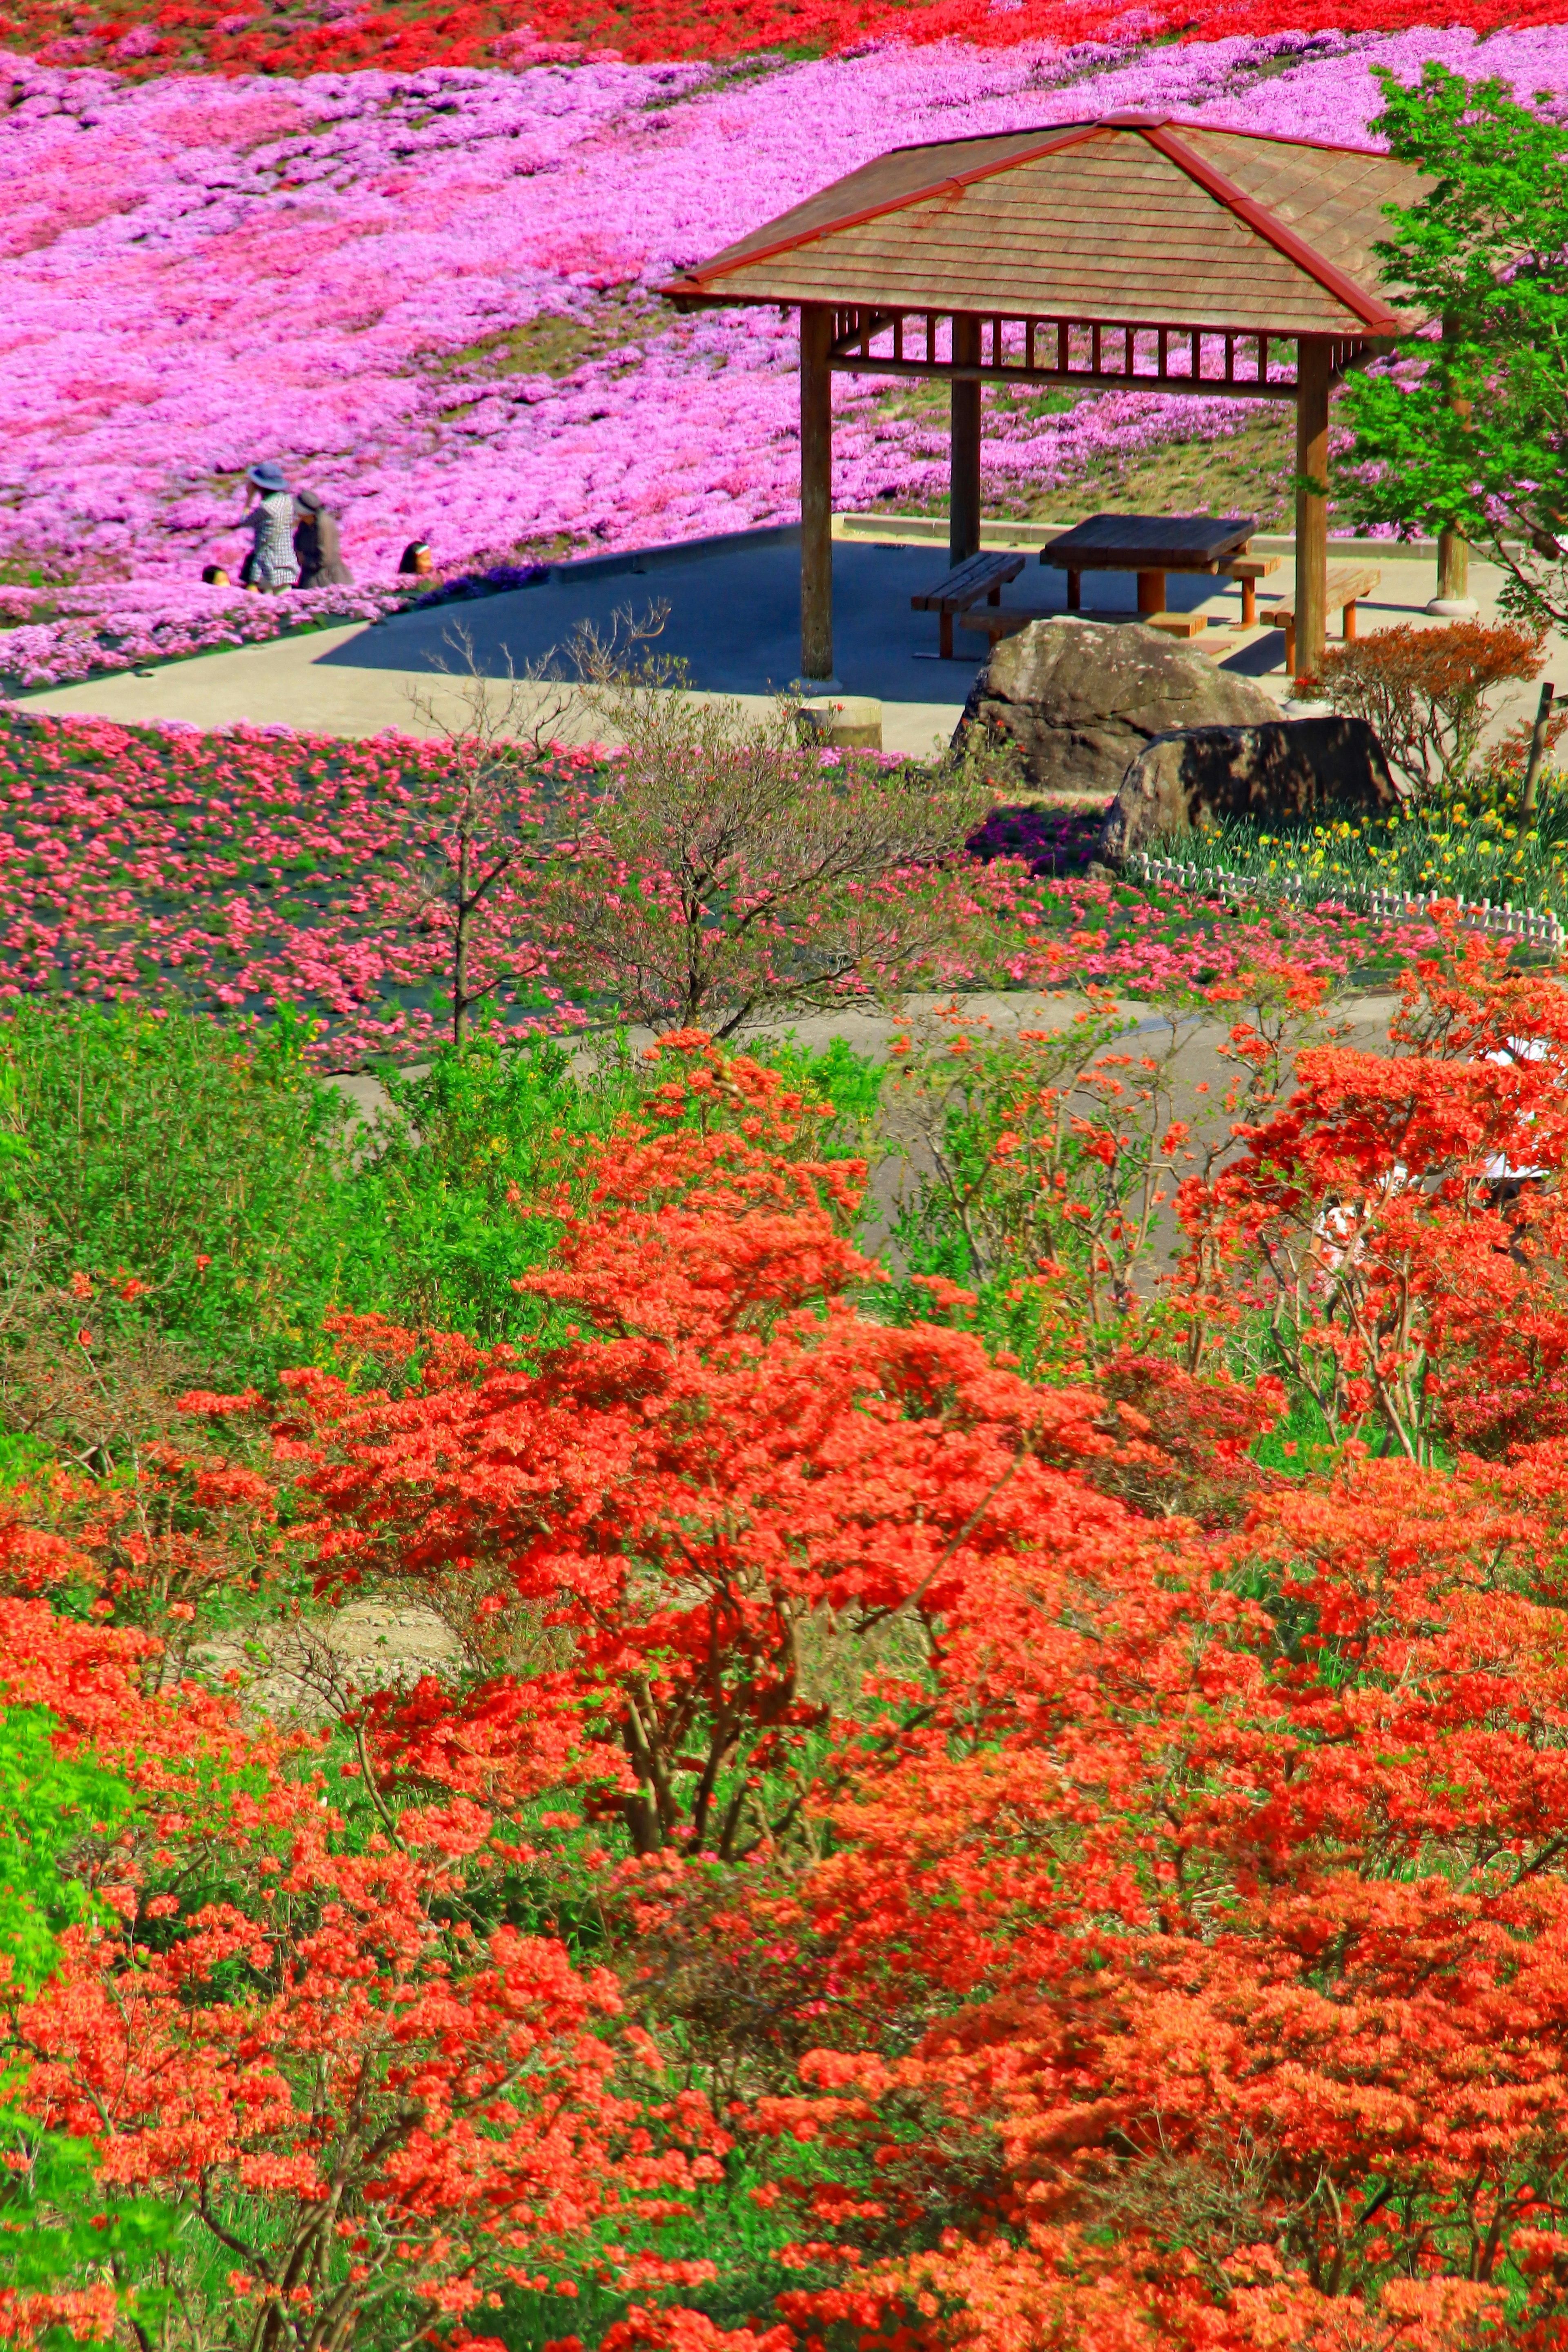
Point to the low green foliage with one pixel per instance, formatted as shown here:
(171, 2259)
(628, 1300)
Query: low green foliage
(58, 2223)
(196, 1161)
(51, 1803)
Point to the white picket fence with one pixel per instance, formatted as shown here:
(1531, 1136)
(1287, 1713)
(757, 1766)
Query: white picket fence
(1501, 921)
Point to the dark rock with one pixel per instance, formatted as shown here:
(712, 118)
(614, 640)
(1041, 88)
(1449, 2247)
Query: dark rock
(1081, 699)
(1277, 774)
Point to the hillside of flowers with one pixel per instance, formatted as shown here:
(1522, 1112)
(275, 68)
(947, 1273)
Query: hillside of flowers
(296, 37)
(715, 1696)
(429, 292)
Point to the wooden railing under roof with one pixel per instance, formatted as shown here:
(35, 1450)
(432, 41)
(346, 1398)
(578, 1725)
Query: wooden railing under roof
(1043, 351)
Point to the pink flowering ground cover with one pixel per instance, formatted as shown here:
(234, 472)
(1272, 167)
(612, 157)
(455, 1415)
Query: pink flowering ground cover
(344, 272)
(257, 875)
(73, 631)
(243, 874)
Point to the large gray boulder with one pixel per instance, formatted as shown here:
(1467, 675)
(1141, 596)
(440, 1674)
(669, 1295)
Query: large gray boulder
(1274, 774)
(1081, 698)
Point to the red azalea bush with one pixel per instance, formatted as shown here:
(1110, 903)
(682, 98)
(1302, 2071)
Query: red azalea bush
(1078, 1923)
(1230, 1889)
(365, 2107)
(729, 1456)
(1397, 1220)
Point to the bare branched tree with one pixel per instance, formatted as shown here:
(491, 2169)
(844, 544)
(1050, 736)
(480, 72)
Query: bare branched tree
(714, 869)
(725, 871)
(494, 816)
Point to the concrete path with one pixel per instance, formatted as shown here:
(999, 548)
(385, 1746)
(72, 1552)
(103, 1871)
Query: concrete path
(1200, 1075)
(733, 617)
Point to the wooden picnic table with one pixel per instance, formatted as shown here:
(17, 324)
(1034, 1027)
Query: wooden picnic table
(1152, 545)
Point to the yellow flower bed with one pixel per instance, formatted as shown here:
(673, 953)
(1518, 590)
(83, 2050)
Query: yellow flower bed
(1469, 850)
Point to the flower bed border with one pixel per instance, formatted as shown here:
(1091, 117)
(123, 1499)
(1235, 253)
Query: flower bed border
(1504, 920)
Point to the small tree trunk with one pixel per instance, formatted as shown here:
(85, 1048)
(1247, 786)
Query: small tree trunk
(1453, 564)
(460, 949)
(1453, 601)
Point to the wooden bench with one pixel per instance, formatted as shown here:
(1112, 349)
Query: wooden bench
(1010, 618)
(1249, 569)
(981, 576)
(1347, 585)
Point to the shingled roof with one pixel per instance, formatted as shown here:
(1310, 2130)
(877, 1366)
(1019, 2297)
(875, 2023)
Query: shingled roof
(1134, 220)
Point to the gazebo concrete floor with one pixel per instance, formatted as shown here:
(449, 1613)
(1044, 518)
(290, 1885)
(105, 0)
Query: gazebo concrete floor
(734, 618)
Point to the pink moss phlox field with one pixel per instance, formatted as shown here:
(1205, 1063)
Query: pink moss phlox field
(243, 872)
(116, 624)
(1095, 931)
(196, 273)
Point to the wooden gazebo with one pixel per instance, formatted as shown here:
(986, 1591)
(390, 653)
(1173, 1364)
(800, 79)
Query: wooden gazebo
(1136, 252)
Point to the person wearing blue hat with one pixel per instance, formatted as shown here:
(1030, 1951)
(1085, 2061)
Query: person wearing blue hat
(271, 563)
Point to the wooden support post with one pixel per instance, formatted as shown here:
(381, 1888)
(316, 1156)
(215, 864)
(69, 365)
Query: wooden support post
(1151, 592)
(963, 486)
(1537, 754)
(1453, 564)
(815, 492)
(1453, 601)
(1313, 373)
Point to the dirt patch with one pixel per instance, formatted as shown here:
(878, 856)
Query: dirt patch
(1248, 471)
(308, 1669)
(558, 343)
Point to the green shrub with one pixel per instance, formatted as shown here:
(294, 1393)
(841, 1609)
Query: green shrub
(219, 1170)
(201, 1162)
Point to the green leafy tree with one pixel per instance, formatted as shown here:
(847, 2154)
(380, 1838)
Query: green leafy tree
(1469, 430)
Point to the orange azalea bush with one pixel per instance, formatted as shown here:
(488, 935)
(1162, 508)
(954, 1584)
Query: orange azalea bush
(1079, 1920)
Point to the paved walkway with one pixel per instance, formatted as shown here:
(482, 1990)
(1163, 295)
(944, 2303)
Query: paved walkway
(1200, 1077)
(733, 617)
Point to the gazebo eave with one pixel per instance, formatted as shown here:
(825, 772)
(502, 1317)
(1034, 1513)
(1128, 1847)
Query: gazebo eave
(1050, 343)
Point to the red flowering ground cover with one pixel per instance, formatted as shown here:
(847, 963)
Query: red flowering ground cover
(239, 873)
(294, 37)
(249, 872)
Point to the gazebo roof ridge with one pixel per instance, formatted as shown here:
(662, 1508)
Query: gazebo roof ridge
(1133, 118)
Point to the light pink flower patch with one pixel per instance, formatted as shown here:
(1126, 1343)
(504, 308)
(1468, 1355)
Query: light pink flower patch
(199, 272)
